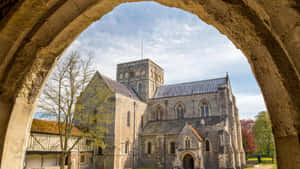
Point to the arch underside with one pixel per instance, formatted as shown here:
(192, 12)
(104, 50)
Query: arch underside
(34, 33)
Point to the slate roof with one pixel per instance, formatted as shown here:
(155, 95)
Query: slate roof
(167, 127)
(50, 127)
(119, 88)
(190, 88)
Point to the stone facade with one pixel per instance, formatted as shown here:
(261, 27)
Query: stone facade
(127, 111)
(188, 125)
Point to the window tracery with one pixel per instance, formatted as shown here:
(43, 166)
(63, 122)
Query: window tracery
(204, 109)
(187, 142)
(179, 109)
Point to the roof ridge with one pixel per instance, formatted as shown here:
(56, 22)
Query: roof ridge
(192, 82)
(132, 93)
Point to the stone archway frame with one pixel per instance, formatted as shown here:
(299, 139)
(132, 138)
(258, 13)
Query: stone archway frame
(34, 33)
(196, 160)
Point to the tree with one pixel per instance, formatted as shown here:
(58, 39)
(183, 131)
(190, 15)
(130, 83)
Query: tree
(262, 131)
(248, 137)
(60, 97)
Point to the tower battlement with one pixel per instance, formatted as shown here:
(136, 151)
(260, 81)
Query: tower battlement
(144, 76)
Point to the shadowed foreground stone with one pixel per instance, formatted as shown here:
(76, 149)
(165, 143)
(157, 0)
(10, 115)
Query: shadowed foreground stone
(34, 33)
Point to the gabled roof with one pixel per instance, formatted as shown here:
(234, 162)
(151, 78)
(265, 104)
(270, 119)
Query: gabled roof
(50, 127)
(190, 88)
(118, 87)
(195, 132)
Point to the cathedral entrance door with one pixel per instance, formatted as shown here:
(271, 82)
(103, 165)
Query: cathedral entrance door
(188, 162)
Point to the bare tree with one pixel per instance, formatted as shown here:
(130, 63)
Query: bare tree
(60, 96)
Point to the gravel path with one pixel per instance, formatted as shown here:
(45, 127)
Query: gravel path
(265, 167)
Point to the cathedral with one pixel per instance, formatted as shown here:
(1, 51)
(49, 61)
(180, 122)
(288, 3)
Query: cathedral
(193, 125)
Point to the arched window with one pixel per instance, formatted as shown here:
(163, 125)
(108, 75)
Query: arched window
(187, 142)
(180, 111)
(126, 147)
(204, 109)
(172, 147)
(128, 118)
(149, 148)
(140, 87)
(159, 113)
(207, 148)
(100, 150)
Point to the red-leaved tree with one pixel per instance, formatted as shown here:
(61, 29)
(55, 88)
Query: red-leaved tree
(248, 137)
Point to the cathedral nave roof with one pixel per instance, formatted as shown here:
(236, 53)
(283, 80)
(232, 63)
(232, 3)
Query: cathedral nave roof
(190, 88)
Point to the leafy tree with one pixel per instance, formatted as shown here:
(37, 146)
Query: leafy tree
(248, 137)
(60, 97)
(262, 131)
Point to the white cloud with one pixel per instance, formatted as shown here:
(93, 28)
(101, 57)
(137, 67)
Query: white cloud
(187, 48)
(249, 105)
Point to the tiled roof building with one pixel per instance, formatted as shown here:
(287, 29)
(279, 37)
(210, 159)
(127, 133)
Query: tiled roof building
(43, 149)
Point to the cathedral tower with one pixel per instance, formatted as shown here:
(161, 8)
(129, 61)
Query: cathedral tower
(143, 76)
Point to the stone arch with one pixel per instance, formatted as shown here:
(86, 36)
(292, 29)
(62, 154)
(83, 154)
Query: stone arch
(33, 34)
(187, 153)
(188, 162)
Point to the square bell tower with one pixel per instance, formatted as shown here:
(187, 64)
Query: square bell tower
(143, 76)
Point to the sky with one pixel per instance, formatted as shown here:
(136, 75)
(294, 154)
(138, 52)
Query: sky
(187, 48)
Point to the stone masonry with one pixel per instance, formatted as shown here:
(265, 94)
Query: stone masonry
(188, 125)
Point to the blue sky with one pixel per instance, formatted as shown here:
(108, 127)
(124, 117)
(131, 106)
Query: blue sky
(187, 48)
